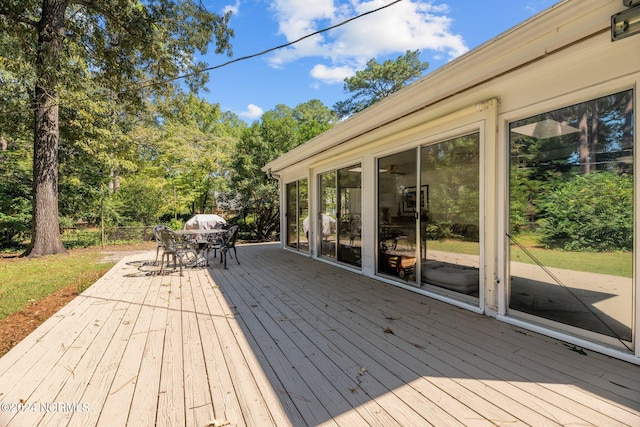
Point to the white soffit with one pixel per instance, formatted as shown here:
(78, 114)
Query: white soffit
(551, 30)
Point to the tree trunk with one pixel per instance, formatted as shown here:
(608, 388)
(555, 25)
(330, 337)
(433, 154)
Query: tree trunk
(595, 135)
(585, 163)
(46, 239)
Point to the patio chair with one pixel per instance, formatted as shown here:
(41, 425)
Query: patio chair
(224, 243)
(174, 247)
(156, 238)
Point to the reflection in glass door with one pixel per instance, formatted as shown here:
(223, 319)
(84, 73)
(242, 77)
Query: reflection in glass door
(327, 223)
(397, 210)
(297, 215)
(349, 214)
(340, 212)
(571, 236)
(449, 206)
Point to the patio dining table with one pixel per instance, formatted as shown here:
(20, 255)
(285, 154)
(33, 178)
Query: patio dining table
(199, 238)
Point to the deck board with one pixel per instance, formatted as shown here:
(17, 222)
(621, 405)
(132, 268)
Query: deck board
(284, 340)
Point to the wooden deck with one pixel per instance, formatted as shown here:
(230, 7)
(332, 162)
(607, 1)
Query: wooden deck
(282, 340)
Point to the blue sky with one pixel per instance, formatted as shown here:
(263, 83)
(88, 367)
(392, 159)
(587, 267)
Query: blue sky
(316, 67)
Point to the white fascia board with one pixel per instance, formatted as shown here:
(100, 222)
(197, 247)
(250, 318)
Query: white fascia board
(546, 33)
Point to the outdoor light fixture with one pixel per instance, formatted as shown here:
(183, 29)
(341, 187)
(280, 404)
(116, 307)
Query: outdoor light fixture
(626, 23)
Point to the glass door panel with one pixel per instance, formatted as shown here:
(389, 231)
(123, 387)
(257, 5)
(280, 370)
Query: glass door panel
(397, 198)
(350, 209)
(449, 206)
(292, 217)
(571, 217)
(327, 224)
(297, 221)
(303, 212)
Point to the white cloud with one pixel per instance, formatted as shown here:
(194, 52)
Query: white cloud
(233, 8)
(331, 75)
(408, 25)
(252, 112)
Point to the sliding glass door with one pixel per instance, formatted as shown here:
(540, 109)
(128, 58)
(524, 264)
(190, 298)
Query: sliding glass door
(297, 215)
(432, 216)
(571, 218)
(397, 213)
(327, 223)
(339, 225)
(449, 207)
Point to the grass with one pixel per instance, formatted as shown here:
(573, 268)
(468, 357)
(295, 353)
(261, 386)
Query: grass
(24, 280)
(613, 263)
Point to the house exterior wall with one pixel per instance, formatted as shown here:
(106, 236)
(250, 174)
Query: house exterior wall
(560, 57)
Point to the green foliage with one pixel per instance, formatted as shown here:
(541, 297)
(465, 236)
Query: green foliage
(378, 81)
(81, 238)
(144, 200)
(15, 192)
(280, 130)
(592, 212)
(115, 55)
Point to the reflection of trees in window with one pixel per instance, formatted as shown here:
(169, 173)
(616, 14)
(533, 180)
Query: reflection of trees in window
(550, 150)
(303, 197)
(329, 198)
(296, 213)
(451, 173)
(601, 132)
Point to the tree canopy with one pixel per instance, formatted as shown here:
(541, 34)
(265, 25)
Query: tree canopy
(121, 51)
(100, 118)
(278, 131)
(377, 81)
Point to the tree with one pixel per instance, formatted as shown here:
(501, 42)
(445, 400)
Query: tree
(119, 44)
(192, 152)
(378, 81)
(279, 131)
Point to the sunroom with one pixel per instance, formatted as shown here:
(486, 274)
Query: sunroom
(503, 183)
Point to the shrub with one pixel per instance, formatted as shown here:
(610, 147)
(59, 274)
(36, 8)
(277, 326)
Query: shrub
(592, 212)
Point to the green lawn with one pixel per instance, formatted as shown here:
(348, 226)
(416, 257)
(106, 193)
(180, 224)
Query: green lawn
(23, 280)
(614, 263)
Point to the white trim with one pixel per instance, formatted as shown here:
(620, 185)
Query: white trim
(567, 99)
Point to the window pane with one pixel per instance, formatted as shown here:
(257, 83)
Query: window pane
(303, 212)
(327, 227)
(350, 234)
(397, 214)
(292, 219)
(297, 215)
(571, 215)
(449, 215)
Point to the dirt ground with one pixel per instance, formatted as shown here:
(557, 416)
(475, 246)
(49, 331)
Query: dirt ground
(17, 326)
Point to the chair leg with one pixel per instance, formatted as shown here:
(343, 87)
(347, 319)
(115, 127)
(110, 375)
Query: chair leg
(155, 262)
(162, 268)
(235, 253)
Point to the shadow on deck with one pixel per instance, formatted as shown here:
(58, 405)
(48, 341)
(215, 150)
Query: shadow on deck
(282, 339)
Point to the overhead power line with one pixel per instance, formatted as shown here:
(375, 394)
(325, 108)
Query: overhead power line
(151, 83)
(264, 52)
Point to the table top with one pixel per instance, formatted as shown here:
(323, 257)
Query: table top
(201, 231)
